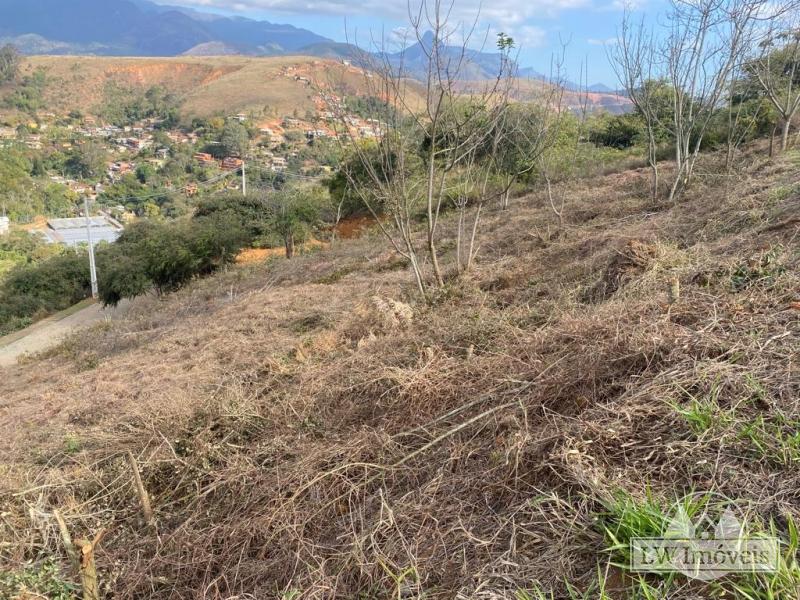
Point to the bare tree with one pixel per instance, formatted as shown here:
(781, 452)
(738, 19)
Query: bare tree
(777, 71)
(742, 116)
(694, 63)
(434, 132)
(634, 60)
(707, 39)
(526, 131)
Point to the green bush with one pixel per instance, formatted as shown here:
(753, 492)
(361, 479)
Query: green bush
(148, 255)
(250, 212)
(36, 290)
(620, 131)
(121, 275)
(355, 181)
(124, 106)
(216, 240)
(28, 94)
(166, 256)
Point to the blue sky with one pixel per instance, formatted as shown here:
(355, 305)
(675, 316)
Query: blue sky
(538, 26)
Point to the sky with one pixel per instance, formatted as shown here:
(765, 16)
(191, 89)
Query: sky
(540, 28)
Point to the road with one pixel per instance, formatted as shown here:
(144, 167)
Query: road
(50, 331)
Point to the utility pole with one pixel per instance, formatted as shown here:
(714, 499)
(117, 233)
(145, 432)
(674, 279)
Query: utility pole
(244, 180)
(92, 266)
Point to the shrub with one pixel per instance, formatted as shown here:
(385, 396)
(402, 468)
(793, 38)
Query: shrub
(40, 289)
(36, 581)
(121, 275)
(621, 131)
(165, 256)
(250, 212)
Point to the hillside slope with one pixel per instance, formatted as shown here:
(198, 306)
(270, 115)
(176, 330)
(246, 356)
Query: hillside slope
(302, 435)
(228, 84)
(206, 85)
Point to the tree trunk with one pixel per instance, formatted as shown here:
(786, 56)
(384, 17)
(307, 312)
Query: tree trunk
(289, 243)
(772, 140)
(437, 272)
(654, 185)
(652, 156)
(415, 267)
(472, 251)
(787, 124)
(433, 215)
(459, 237)
(88, 571)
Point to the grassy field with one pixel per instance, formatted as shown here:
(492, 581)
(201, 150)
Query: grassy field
(308, 429)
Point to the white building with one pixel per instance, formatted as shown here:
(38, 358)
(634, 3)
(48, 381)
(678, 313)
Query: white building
(72, 232)
(4, 225)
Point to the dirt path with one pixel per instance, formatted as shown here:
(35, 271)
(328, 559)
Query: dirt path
(51, 331)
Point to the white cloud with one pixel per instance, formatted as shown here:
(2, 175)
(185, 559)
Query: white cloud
(504, 14)
(606, 42)
(625, 5)
(527, 36)
(532, 36)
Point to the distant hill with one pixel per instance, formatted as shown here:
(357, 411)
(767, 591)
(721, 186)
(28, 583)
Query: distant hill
(336, 50)
(573, 99)
(266, 87)
(211, 49)
(144, 28)
(138, 28)
(475, 65)
(600, 88)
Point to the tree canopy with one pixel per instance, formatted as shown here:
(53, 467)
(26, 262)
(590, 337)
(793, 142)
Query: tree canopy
(234, 139)
(9, 63)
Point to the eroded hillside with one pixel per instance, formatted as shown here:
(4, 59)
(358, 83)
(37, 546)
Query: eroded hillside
(212, 85)
(205, 85)
(308, 429)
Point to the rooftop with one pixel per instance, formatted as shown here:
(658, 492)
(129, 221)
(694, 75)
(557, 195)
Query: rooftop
(79, 222)
(72, 232)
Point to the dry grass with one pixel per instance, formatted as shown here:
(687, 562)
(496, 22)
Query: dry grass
(206, 85)
(301, 438)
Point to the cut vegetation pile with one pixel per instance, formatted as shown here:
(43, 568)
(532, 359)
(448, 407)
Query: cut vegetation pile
(307, 429)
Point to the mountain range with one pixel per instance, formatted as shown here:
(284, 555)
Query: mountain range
(139, 28)
(144, 28)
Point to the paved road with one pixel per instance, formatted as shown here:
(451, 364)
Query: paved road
(51, 331)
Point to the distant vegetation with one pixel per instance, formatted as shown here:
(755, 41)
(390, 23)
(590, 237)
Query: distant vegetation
(148, 256)
(20, 248)
(9, 63)
(125, 106)
(165, 256)
(25, 193)
(28, 94)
